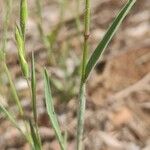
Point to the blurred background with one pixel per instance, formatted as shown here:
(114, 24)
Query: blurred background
(118, 96)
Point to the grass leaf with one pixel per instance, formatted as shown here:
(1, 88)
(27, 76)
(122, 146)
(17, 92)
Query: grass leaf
(107, 37)
(51, 112)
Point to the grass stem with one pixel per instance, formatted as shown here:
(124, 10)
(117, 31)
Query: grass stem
(82, 92)
(86, 37)
(82, 105)
(13, 89)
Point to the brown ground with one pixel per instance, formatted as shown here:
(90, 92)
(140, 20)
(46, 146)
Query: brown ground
(118, 96)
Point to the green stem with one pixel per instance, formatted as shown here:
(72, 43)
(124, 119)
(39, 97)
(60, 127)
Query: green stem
(82, 92)
(34, 113)
(29, 87)
(27, 134)
(86, 37)
(82, 104)
(17, 101)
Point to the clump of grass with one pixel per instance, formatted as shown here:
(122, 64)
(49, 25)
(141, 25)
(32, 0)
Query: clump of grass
(87, 65)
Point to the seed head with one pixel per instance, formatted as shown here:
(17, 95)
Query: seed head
(23, 16)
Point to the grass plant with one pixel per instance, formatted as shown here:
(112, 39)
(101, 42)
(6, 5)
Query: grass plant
(8, 6)
(88, 66)
(20, 41)
(88, 63)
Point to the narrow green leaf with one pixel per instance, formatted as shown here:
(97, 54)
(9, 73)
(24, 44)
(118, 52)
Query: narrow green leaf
(51, 112)
(35, 139)
(33, 88)
(107, 37)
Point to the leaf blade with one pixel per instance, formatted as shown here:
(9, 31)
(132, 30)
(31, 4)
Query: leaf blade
(51, 111)
(107, 37)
